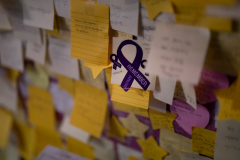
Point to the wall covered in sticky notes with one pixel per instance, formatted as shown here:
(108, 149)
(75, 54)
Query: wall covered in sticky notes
(119, 79)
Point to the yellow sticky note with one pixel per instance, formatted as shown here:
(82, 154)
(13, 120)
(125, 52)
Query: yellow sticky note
(79, 148)
(135, 127)
(135, 97)
(26, 140)
(133, 158)
(5, 127)
(40, 107)
(203, 141)
(151, 150)
(130, 109)
(13, 75)
(96, 69)
(89, 109)
(154, 7)
(161, 120)
(117, 130)
(89, 32)
(67, 84)
(46, 136)
(55, 31)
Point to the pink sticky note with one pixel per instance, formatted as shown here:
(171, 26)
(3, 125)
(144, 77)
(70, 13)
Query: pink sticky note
(188, 117)
(210, 81)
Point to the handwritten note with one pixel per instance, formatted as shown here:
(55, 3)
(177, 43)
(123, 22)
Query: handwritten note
(87, 114)
(162, 120)
(124, 152)
(177, 57)
(7, 121)
(124, 16)
(63, 8)
(40, 107)
(227, 144)
(192, 156)
(156, 104)
(11, 52)
(135, 97)
(61, 62)
(203, 141)
(39, 13)
(89, 32)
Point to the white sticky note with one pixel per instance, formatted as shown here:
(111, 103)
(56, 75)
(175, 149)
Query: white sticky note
(156, 104)
(73, 131)
(104, 1)
(124, 17)
(103, 148)
(37, 51)
(192, 156)
(53, 153)
(4, 20)
(11, 52)
(227, 144)
(164, 90)
(8, 95)
(38, 13)
(129, 52)
(124, 152)
(63, 8)
(178, 52)
(148, 26)
(61, 62)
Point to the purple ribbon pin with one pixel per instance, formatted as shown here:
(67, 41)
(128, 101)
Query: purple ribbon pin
(132, 68)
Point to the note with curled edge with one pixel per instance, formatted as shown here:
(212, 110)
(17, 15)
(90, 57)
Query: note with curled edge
(227, 144)
(40, 107)
(154, 7)
(135, 97)
(203, 141)
(124, 16)
(38, 13)
(89, 33)
(162, 120)
(63, 8)
(89, 109)
(5, 126)
(192, 156)
(187, 45)
(96, 69)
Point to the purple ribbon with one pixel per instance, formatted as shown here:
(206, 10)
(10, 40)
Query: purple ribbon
(132, 68)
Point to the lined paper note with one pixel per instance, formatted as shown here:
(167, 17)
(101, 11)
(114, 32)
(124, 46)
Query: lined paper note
(90, 109)
(40, 107)
(203, 141)
(6, 119)
(89, 32)
(135, 97)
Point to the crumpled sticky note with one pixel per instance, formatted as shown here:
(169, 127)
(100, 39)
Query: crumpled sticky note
(136, 128)
(151, 150)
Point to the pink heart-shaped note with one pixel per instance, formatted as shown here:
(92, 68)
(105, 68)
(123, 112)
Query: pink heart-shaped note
(188, 117)
(210, 81)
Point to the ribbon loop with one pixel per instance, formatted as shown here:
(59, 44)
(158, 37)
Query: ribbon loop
(115, 61)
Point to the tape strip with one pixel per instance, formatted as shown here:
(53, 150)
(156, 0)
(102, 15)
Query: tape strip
(89, 7)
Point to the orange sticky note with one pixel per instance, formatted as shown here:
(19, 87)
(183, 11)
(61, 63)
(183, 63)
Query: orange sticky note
(5, 127)
(79, 148)
(89, 32)
(40, 107)
(67, 84)
(89, 109)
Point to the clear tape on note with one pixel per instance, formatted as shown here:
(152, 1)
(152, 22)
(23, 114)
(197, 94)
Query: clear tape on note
(89, 9)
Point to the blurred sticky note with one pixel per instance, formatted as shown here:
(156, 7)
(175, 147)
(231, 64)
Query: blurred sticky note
(63, 8)
(79, 148)
(39, 13)
(11, 52)
(55, 31)
(130, 109)
(188, 41)
(61, 62)
(124, 16)
(5, 126)
(124, 152)
(4, 20)
(154, 7)
(89, 109)
(67, 84)
(117, 130)
(151, 149)
(89, 32)
(156, 104)
(40, 107)
(13, 75)
(135, 127)
(162, 120)
(27, 143)
(46, 136)
(203, 141)
(73, 131)
(193, 156)
(135, 97)
(37, 51)
(96, 69)
(120, 34)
